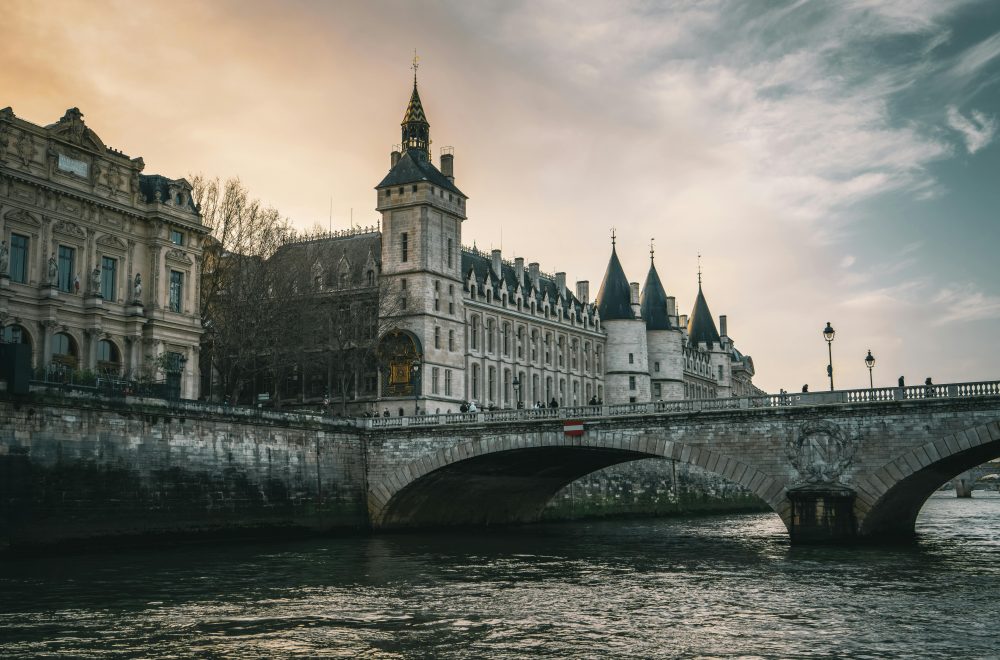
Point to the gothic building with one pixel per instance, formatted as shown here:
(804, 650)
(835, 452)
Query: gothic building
(470, 326)
(99, 262)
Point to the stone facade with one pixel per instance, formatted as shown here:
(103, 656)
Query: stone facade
(101, 268)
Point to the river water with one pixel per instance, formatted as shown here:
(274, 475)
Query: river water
(713, 587)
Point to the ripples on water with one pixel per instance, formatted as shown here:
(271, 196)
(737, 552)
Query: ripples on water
(720, 586)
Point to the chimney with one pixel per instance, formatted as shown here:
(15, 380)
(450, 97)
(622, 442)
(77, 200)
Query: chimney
(684, 321)
(722, 325)
(634, 287)
(393, 158)
(561, 284)
(497, 262)
(671, 306)
(448, 163)
(583, 291)
(519, 270)
(533, 271)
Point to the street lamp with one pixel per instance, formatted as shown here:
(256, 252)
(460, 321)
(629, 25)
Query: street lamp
(828, 333)
(517, 392)
(870, 362)
(415, 379)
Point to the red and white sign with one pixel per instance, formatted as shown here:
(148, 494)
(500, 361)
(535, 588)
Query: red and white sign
(573, 428)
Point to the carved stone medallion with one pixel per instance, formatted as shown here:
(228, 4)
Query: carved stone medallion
(821, 452)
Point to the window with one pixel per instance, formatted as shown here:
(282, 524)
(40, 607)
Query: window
(560, 352)
(19, 258)
(474, 333)
(491, 383)
(67, 256)
(451, 258)
(414, 188)
(657, 391)
(451, 308)
(109, 271)
(176, 237)
(371, 278)
(14, 334)
(506, 386)
(63, 349)
(402, 298)
(434, 380)
(404, 243)
(475, 382)
(520, 341)
(437, 337)
(656, 366)
(176, 290)
(720, 372)
(631, 358)
(447, 382)
(108, 358)
(631, 382)
(489, 335)
(506, 339)
(451, 340)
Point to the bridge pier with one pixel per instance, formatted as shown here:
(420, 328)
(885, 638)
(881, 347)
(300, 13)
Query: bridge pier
(822, 513)
(963, 484)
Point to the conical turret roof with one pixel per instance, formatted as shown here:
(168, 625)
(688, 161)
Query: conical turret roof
(614, 300)
(701, 325)
(415, 109)
(653, 302)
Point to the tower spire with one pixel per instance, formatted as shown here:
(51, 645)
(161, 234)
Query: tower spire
(699, 270)
(416, 129)
(651, 250)
(612, 238)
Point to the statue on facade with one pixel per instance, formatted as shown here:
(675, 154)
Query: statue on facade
(53, 270)
(137, 288)
(95, 280)
(4, 258)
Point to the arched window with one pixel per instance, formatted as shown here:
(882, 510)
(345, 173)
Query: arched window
(108, 358)
(64, 350)
(15, 334)
(437, 337)
(371, 278)
(474, 334)
(475, 382)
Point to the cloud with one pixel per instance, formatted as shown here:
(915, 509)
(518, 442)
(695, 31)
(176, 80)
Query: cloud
(977, 130)
(964, 303)
(975, 58)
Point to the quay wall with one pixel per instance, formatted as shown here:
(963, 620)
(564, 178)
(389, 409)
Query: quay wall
(78, 469)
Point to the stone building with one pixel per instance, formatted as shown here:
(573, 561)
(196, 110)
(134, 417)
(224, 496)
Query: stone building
(467, 326)
(99, 265)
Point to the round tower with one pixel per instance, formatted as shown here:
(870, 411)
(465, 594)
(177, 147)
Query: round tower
(663, 339)
(626, 359)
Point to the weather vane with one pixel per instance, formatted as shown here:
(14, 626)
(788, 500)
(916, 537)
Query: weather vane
(415, 65)
(699, 269)
(612, 237)
(651, 249)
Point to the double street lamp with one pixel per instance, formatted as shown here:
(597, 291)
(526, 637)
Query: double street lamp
(828, 333)
(870, 363)
(517, 392)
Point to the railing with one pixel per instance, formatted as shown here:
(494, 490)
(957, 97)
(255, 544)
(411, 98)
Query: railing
(788, 399)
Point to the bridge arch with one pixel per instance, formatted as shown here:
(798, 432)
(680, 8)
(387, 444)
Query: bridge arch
(890, 497)
(508, 479)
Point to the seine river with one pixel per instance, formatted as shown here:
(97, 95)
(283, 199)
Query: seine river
(711, 587)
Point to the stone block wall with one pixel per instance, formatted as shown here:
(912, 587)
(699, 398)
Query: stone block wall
(79, 469)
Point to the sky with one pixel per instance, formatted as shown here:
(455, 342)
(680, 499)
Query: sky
(829, 161)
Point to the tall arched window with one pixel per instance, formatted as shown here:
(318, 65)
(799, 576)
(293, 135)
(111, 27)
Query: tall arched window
(108, 358)
(15, 334)
(64, 350)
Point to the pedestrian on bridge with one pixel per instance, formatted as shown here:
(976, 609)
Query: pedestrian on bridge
(902, 383)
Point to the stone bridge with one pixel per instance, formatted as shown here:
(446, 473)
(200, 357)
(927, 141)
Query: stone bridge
(835, 466)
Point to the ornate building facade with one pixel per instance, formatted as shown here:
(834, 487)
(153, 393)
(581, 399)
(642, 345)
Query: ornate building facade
(99, 263)
(468, 326)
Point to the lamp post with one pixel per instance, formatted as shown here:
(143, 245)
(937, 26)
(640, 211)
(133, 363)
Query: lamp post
(870, 363)
(828, 333)
(517, 392)
(415, 380)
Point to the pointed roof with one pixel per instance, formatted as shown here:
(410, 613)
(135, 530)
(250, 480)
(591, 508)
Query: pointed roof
(701, 325)
(415, 109)
(614, 300)
(653, 301)
(413, 167)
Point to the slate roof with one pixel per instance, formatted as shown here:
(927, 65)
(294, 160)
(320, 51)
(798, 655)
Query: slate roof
(150, 184)
(329, 253)
(614, 300)
(413, 167)
(701, 325)
(479, 265)
(653, 302)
